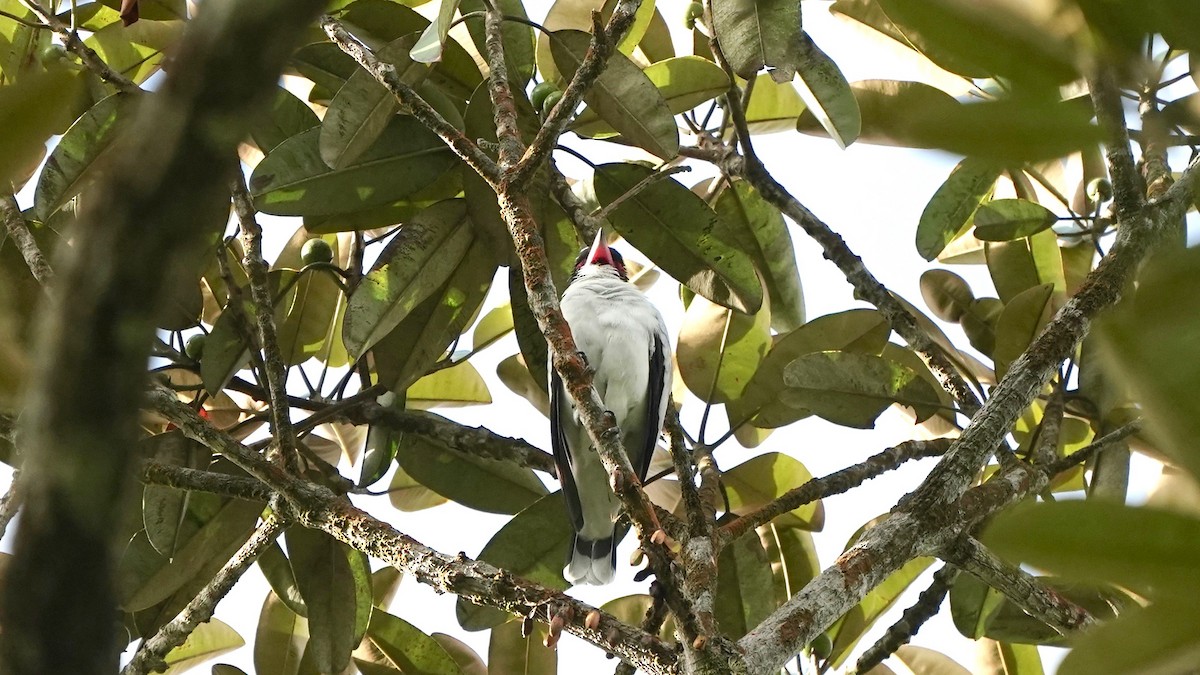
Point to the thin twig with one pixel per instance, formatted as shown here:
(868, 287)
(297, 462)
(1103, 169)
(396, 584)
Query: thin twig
(1086, 453)
(76, 45)
(150, 656)
(264, 310)
(18, 230)
(901, 632)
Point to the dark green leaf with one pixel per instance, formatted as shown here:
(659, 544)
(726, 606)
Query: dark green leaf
(759, 228)
(757, 34)
(854, 330)
(294, 181)
(980, 611)
(533, 545)
(622, 96)
(278, 571)
(577, 15)
(886, 108)
(225, 350)
(155, 10)
(466, 658)
(467, 478)
(827, 94)
(852, 389)
(518, 38)
(530, 340)
(793, 556)
(326, 64)
(164, 508)
(947, 294)
(322, 571)
(684, 83)
(680, 233)
(745, 588)
(948, 213)
(68, 167)
(1019, 323)
(407, 649)
(280, 639)
(1005, 219)
(509, 652)
(415, 264)
(289, 116)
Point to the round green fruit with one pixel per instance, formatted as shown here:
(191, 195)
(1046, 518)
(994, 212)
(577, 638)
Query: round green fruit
(195, 346)
(1099, 190)
(540, 92)
(551, 100)
(316, 251)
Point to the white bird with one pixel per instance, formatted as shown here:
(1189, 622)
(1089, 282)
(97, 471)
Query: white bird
(624, 340)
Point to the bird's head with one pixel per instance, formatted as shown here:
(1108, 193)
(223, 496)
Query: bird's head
(600, 259)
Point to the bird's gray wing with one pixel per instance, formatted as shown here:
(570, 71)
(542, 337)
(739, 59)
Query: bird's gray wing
(562, 452)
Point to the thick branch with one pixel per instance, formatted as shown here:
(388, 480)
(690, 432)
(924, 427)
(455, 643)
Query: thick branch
(151, 654)
(1128, 195)
(835, 483)
(411, 102)
(154, 213)
(183, 478)
(18, 231)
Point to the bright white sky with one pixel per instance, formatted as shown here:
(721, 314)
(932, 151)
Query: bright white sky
(873, 196)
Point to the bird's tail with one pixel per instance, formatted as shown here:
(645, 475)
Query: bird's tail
(593, 561)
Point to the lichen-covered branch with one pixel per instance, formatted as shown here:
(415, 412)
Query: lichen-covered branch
(10, 503)
(283, 433)
(410, 101)
(901, 632)
(834, 484)
(183, 478)
(151, 654)
(152, 213)
(76, 45)
(18, 231)
(1097, 446)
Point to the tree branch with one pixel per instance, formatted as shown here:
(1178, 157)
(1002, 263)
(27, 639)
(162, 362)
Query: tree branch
(183, 478)
(901, 632)
(834, 484)
(10, 503)
(18, 231)
(151, 654)
(76, 45)
(264, 311)
(411, 102)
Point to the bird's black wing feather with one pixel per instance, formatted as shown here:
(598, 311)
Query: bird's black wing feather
(641, 462)
(562, 453)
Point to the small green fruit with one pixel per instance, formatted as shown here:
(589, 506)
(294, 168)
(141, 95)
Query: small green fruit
(195, 346)
(52, 55)
(316, 251)
(551, 100)
(1099, 190)
(694, 12)
(540, 92)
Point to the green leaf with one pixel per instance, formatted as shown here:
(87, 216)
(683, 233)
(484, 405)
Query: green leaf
(22, 42)
(947, 294)
(577, 15)
(407, 649)
(384, 583)
(679, 232)
(948, 213)
(280, 639)
(294, 181)
(165, 508)
(757, 34)
(30, 112)
(683, 82)
(449, 387)
(886, 108)
(793, 556)
(68, 167)
(869, 13)
(1160, 639)
(326, 64)
(1023, 43)
(774, 106)
(465, 657)
(306, 312)
(135, 51)
(1017, 266)
(1020, 322)
(289, 116)
(226, 669)
(406, 494)
(469, 479)
(411, 348)
(760, 229)
(508, 652)
(928, 662)
(631, 610)
(719, 349)
(209, 640)
(277, 569)
(494, 325)
(1005, 219)
(745, 588)
(853, 389)
(1019, 659)
(517, 37)
(416, 263)
(533, 545)
(1151, 342)
(1145, 549)
(225, 350)
(853, 330)
(827, 94)
(513, 373)
(622, 96)
(753, 484)
(155, 10)
(428, 48)
(321, 567)
(227, 529)
(362, 107)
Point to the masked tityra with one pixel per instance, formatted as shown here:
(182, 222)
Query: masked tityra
(624, 339)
